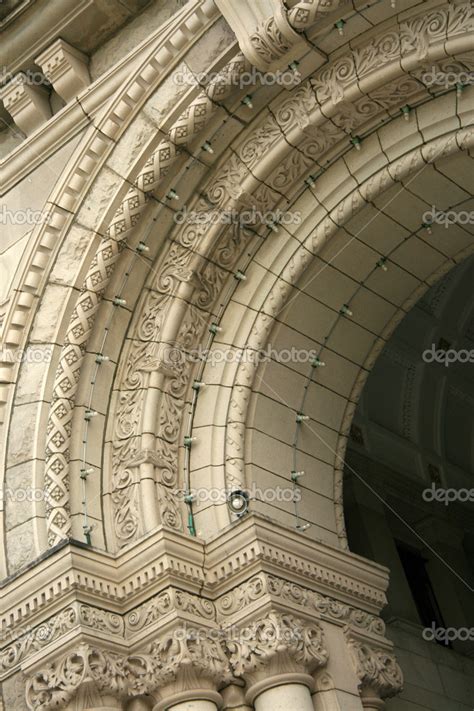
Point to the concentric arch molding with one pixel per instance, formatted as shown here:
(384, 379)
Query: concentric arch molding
(60, 416)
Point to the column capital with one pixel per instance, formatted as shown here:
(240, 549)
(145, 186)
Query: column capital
(276, 649)
(181, 663)
(83, 669)
(377, 669)
(188, 661)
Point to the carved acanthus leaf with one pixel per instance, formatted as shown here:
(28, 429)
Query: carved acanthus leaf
(376, 668)
(258, 644)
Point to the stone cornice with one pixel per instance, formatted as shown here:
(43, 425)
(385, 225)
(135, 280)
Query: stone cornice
(65, 68)
(76, 572)
(80, 593)
(75, 116)
(259, 543)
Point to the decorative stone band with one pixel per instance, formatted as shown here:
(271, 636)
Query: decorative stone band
(59, 428)
(377, 669)
(228, 610)
(281, 591)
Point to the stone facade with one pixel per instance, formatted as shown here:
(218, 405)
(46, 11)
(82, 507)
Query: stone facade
(235, 184)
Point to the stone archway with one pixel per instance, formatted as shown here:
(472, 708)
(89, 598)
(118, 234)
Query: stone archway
(335, 148)
(349, 108)
(228, 191)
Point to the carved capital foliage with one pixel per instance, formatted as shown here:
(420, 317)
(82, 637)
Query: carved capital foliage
(57, 684)
(376, 668)
(181, 658)
(277, 642)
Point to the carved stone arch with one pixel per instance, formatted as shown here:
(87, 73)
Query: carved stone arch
(254, 332)
(354, 200)
(94, 181)
(310, 95)
(252, 168)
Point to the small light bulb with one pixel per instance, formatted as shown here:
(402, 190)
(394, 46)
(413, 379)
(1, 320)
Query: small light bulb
(240, 276)
(310, 181)
(89, 414)
(302, 526)
(296, 475)
(393, 3)
(189, 498)
(356, 142)
(345, 310)
(142, 247)
(197, 385)
(382, 264)
(459, 89)
(86, 472)
(300, 417)
(294, 65)
(427, 227)
(318, 363)
(406, 110)
(101, 358)
(247, 101)
(214, 328)
(118, 301)
(172, 195)
(273, 226)
(206, 146)
(340, 26)
(188, 441)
